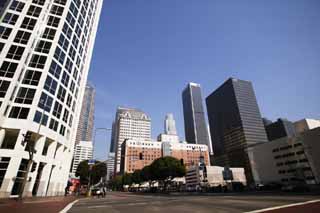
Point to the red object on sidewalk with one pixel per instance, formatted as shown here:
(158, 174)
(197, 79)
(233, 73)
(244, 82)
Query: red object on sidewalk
(31, 205)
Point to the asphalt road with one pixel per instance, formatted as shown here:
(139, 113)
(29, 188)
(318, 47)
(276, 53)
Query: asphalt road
(116, 202)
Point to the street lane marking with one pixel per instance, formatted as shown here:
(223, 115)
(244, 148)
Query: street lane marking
(68, 207)
(284, 206)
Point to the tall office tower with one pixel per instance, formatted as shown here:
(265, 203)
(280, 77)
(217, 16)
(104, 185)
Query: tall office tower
(45, 54)
(110, 165)
(279, 129)
(235, 124)
(85, 126)
(194, 119)
(170, 125)
(83, 151)
(113, 136)
(130, 124)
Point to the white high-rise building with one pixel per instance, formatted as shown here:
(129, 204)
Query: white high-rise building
(83, 151)
(45, 53)
(110, 165)
(130, 124)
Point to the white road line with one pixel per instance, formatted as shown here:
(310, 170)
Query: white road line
(284, 206)
(68, 207)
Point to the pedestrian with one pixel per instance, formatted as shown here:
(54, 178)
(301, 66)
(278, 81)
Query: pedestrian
(104, 191)
(66, 191)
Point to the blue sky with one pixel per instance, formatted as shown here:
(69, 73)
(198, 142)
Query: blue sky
(146, 51)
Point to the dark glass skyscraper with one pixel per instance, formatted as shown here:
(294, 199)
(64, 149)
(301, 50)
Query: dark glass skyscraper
(235, 124)
(194, 121)
(279, 129)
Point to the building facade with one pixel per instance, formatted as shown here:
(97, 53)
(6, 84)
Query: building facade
(280, 128)
(194, 117)
(110, 165)
(83, 151)
(138, 154)
(130, 124)
(213, 176)
(45, 53)
(288, 160)
(235, 124)
(86, 121)
(306, 124)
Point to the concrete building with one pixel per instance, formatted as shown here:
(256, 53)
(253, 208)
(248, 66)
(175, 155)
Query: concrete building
(212, 176)
(280, 128)
(306, 124)
(189, 154)
(235, 124)
(83, 151)
(85, 126)
(45, 53)
(110, 165)
(170, 131)
(194, 117)
(130, 124)
(288, 160)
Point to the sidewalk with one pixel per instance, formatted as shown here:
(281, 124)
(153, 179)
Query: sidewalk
(37, 204)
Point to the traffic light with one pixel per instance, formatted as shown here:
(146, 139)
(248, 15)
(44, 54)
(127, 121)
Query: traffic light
(26, 138)
(140, 156)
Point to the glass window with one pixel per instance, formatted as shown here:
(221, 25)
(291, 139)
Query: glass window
(53, 124)
(57, 109)
(59, 55)
(17, 6)
(70, 120)
(25, 95)
(45, 102)
(65, 115)
(65, 79)
(22, 37)
(38, 61)
(8, 69)
(50, 85)
(31, 77)
(1, 47)
(73, 9)
(34, 11)
(15, 52)
(49, 33)
(63, 42)
(62, 2)
(53, 21)
(4, 85)
(61, 94)
(71, 20)
(56, 10)
(19, 112)
(10, 18)
(72, 86)
(69, 100)
(43, 46)
(39, 2)
(62, 130)
(68, 65)
(28, 23)
(72, 53)
(55, 69)
(67, 30)
(39, 117)
(5, 32)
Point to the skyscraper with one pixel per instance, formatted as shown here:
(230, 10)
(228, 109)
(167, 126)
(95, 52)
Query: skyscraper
(279, 129)
(235, 123)
(194, 119)
(45, 53)
(170, 125)
(85, 126)
(130, 124)
(83, 151)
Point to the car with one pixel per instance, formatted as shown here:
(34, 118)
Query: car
(96, 192)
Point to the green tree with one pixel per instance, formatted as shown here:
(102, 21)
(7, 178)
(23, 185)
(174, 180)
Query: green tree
(115, 183)
(83, 172)
(97, 171)
(127, 179)
(136, 176)
(166, 168)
